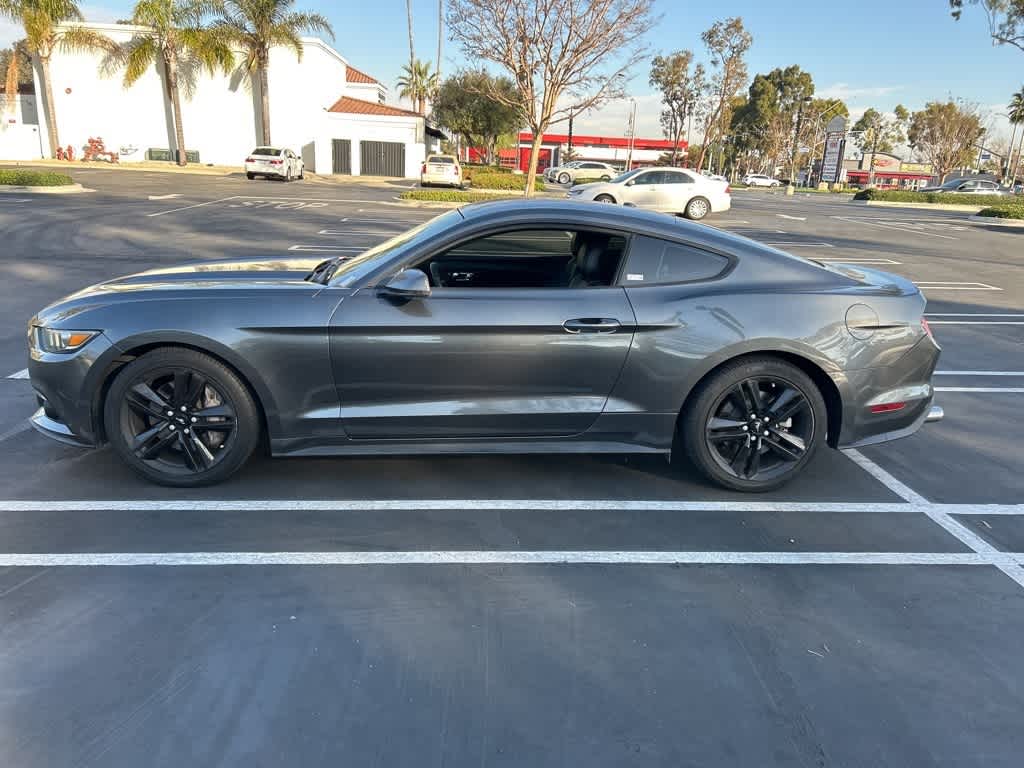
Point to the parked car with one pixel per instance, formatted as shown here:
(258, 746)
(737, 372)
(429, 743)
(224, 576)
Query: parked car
(584, 169)
(969, 187)
(668, 190)
(760, 180)
(441, 169)
(503, 327)
(274, 162)
(551, 173)
(713, 176)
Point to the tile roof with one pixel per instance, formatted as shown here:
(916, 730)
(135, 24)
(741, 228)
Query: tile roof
(360, 107)
(353, 75)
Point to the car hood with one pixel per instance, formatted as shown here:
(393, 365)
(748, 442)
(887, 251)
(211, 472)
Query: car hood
(186, 279)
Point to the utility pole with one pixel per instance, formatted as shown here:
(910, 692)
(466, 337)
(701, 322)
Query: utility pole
(568, 150)
(632, 137)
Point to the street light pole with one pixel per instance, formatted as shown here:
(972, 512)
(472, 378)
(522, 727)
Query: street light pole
(632, 135)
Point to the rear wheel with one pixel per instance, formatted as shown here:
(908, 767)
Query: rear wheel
(604, 199)
(697, 208)
(754, 424)
(181, 418)
(606, 177)
(250, 176)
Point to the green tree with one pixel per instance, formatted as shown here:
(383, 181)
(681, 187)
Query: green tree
(945, 133)
(680, 88)
(880, 133)
(727, 43)
(418, 84)
(765, 125)
(16, 64)
(1016, 115)
(50, 26)
(178, 41)
(462, 106)
(254, 27)
(1005, 19)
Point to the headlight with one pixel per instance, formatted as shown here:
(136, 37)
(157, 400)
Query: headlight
(575, 192)
(57, 341)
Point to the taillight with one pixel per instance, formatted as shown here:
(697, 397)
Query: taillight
(887, 407)
(249, 160)
(457, 170)
(927, 328)
(424, 168)
(276, 162)
(728, 189)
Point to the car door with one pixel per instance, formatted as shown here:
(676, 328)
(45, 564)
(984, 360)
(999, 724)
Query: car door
(532, 360)
(675, 190)
(642, 190)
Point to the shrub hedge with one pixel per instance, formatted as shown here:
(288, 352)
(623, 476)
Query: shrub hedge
(504, 181)
(26, 178)
(480, 168)
(901, 196)
(1004, 211)
(451, 196)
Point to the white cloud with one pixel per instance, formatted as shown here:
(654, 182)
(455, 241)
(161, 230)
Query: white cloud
(848, 93)
(613, 118)
(9, 32)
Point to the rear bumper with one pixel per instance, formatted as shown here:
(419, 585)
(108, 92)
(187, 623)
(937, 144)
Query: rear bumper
(906, 380)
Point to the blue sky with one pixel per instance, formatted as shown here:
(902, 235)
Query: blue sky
(875, 53)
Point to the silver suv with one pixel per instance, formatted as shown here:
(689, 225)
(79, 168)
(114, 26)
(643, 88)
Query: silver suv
(581, 169)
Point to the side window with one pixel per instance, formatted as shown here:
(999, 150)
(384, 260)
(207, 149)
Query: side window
(676, 177)
(651, 177)
(652, 262)
(537, 258)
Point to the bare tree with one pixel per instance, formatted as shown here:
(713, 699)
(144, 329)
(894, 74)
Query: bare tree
(727, 43)
(564, 56)
(945, 133)
(680, 88)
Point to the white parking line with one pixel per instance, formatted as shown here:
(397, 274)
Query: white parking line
(188, 207)
(327, 248)
(976, 322)
(1003, 560)
(22, 374)
(970, 314)
(798, 245)
(896, 226)
(354, 232)
(978, 373)
(499, 505)
(791, 218)
(990, 390)
(936, 285)
(840, 260)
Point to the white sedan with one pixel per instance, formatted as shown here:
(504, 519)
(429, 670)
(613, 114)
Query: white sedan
(668, 190)
(760, 180)
(274, 162)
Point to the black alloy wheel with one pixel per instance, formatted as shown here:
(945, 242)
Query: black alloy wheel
(181, 418)
(755, 425)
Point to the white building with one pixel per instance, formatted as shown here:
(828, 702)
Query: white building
(320, 106)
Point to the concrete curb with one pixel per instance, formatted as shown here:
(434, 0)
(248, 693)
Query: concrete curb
(995, 220)
(66, 189)
(72, 165)
(921, 206)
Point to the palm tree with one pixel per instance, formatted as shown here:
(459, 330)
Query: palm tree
(47, 29)
(177, 39)
(1016, 115)
(417, 84)
(255, 26)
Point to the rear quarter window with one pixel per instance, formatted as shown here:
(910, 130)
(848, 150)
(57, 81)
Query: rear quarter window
(658, 262)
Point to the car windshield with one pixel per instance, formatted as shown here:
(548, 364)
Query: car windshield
(626, 176)
(266, 151)
(347, 271)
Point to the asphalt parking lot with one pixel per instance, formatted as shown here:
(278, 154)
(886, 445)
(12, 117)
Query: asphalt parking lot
(512, 610)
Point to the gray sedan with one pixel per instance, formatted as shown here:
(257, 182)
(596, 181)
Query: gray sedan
(504, 327)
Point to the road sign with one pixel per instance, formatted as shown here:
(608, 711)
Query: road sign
(832, 163)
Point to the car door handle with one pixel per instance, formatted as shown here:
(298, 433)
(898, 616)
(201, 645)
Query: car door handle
(591, 325)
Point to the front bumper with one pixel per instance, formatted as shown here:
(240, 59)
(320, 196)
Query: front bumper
(56, 430)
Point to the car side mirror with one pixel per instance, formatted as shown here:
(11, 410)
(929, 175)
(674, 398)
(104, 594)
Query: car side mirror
(630, 183)
(407, 284)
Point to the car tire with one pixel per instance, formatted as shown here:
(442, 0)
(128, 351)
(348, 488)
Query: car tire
(250, 176)
(287, 176)
(564, 178)
(606, 177)
(195, 389)
(714, 431)
(302, 173)
(604, 199)
(697, 208)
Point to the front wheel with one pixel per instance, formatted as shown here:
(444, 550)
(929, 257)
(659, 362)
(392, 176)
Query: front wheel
(754, 424)
(604, 199)
(181, 418)
(697, 208)
(564, 178)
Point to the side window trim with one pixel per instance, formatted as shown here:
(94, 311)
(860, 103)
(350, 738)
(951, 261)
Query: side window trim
(730, 263)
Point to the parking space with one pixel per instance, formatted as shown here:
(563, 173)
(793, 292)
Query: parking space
(606, 610)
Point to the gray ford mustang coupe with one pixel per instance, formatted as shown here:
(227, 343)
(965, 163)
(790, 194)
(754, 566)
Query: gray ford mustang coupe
(504, 327)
